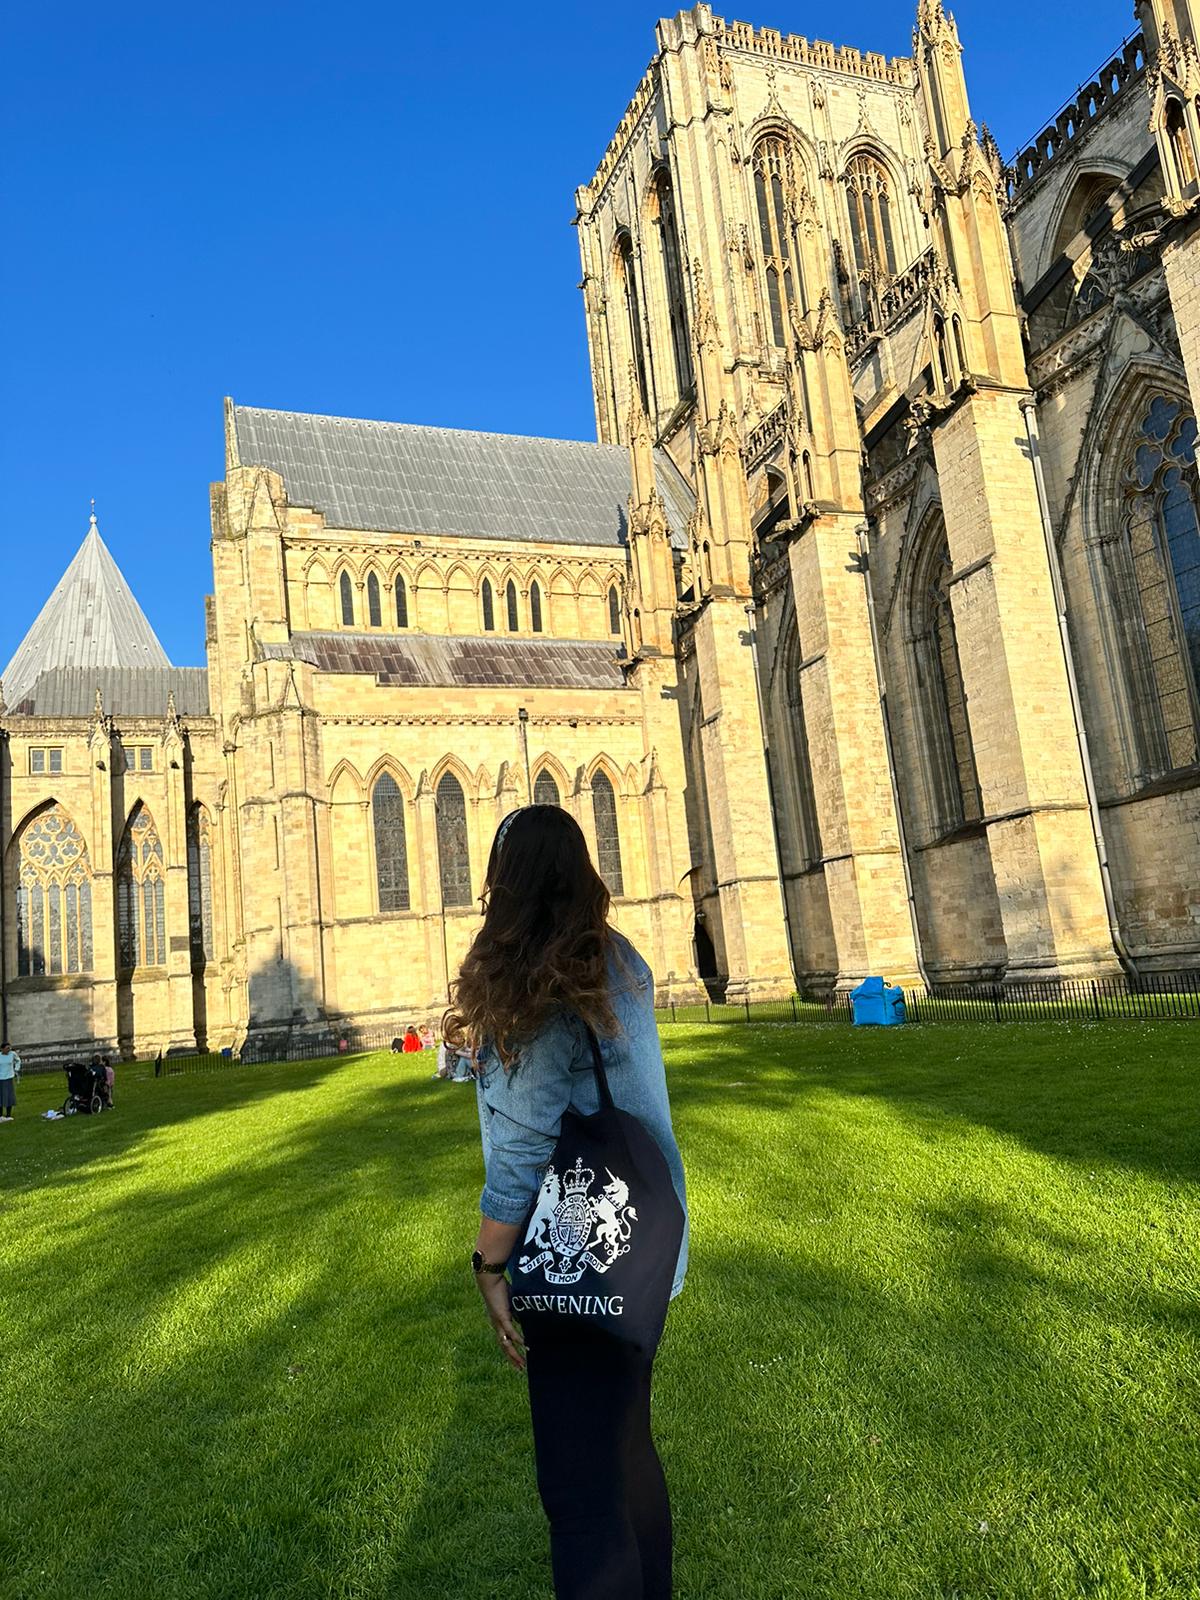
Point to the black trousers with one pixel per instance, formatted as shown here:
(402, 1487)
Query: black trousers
(598, 1473)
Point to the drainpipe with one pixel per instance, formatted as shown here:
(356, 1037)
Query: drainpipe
(864, 566)
(523, 720)
(1029, 412)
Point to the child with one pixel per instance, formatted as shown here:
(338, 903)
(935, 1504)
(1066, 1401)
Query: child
(412, 1039)
(10, 1067)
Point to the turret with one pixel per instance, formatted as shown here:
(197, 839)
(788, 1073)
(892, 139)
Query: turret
(1172, 29)
(964, 213)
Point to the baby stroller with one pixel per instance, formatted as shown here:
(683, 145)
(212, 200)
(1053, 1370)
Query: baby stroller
(87, 1089)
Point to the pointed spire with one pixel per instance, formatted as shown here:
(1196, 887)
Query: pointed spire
(90, 620)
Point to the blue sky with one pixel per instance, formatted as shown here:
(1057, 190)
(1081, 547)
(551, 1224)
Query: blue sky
(304, 206)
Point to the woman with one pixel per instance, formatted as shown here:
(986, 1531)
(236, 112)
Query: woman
(543, 967)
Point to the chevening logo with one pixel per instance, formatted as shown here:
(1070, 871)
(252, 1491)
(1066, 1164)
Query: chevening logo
(572, 1229)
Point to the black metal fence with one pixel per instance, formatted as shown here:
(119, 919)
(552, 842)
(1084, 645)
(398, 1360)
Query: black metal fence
(1148, 997)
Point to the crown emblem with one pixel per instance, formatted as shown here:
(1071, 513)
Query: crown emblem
(578, 1179)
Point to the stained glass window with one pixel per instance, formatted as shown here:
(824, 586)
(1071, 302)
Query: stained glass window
(200, 888)
(614, 610)
(510, 600)
(374, 603)
(545, 791)
(141, 919)
(771, 181)
(489, 610)
(535, 607)
(870, 215)
(454, 859)
(401, 604)
(954, 781)
(608, 839)
(54, 900)
(1164, 549)
(346, 590)
(391, 844)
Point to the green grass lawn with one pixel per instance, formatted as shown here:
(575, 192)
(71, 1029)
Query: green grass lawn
(939, 1339)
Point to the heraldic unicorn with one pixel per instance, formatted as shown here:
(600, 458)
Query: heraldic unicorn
(572, 1229)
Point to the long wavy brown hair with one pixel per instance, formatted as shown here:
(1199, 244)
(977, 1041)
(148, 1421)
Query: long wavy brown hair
(545, 941)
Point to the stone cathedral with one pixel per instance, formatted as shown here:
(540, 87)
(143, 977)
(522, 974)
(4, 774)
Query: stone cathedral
(866, 638)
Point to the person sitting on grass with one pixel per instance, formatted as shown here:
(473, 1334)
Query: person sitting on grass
(412, 1039)
(10, 1067)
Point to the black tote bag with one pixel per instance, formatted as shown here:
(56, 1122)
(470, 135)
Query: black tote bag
(601, 1241)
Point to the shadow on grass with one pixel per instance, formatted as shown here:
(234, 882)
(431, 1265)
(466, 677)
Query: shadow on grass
(296, 1392)
(1120, 1093)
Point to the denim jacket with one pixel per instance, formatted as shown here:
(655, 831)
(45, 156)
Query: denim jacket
(520, 1111)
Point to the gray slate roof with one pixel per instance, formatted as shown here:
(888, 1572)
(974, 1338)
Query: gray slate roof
(126, 692)
(397, 477)
(91, 620)
(437, 660)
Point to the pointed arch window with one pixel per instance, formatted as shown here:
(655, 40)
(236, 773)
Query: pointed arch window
(535, 607)
(545, 790)
(489, 608)
(1182, 152)
(346, 592)
(869, 200)
(676, 294)
(401, 603)
(793, 771)
(633, 315)
(953, 782)
(614, 609)
(54, 897)
(608, 838)
(391, 844)
(510, 601)
(200, 885)
(141, 907)
(374, 602)
(454, 861)
(1160, 563)
(772, 196)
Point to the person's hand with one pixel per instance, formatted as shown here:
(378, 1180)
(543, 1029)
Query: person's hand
(494, 1289)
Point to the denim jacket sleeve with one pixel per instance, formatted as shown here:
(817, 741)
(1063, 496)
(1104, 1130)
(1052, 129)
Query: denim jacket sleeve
(520, 1113)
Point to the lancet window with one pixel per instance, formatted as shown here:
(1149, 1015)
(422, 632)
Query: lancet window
(54, 897)
(200, 884)
(673, 283)
(1162, 554)
(374, 602)
(489, 608)
(869, 200)
(510, 601)
(545, 790)
(608, 838)
(1182, 152)
(535, 607)
(454, 861)
(614, 609)
(141, 894)
(346, 592)
(391, 844)
(772, 190)
(633, 315)
(950, 757)
(401, 603)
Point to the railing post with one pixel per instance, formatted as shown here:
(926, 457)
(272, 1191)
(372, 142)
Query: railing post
(747, 1004)
(1096, 1001)
(707, 1009)
(996, 1000)
(672, 1011)
(795, 1017)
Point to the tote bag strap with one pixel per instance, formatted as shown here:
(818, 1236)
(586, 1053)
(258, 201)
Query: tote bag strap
(606, 1099)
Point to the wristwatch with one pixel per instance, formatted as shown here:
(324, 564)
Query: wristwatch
(478, 1265)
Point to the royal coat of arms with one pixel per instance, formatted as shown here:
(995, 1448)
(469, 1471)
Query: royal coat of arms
(572, 1229)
